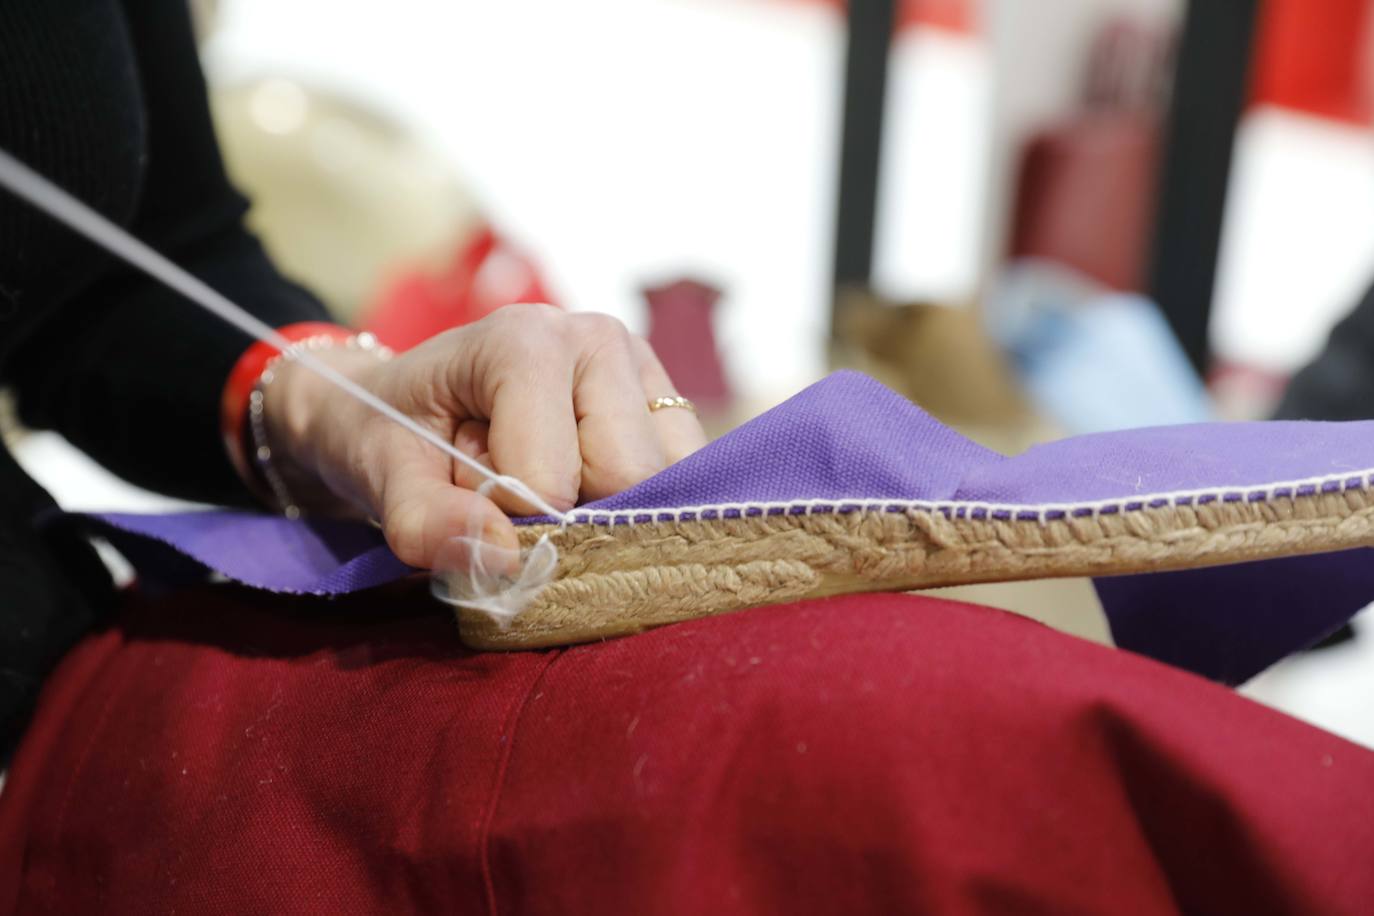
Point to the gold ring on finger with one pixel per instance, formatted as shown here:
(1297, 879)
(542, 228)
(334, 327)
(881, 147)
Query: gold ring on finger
(674, 401)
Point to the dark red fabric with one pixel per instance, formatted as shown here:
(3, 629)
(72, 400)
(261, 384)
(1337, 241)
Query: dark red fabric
(1085, 197)
(870, 754)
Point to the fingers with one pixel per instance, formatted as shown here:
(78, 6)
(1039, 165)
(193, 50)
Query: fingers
(422, 511)
(620, 445)
(567, 397)
(472, 439)
(571, 412)
(679, 431)
(533, 434)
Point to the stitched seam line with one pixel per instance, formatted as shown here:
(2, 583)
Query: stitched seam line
(509, 728)
(1042, 512)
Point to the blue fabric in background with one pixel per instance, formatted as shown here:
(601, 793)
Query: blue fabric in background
(1113, 364)
(1090, 359)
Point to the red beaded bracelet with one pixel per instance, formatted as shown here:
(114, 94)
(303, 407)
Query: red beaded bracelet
(238, 389)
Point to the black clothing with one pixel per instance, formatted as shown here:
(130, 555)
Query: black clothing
(106, 99)
(1339, 383)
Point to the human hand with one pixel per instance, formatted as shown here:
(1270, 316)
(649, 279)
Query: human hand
(556, 399)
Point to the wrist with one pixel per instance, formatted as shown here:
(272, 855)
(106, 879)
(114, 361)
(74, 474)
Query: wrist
(238, 389)
(296, 401)
(270, 401)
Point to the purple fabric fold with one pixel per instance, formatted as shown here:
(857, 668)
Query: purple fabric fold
(1232, 622)
(319, 557)
(849, 438)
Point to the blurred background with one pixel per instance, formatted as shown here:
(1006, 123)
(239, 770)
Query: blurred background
(1033, 218)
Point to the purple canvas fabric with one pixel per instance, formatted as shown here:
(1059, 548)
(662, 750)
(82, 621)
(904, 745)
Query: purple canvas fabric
(849, 438)
(843, 438)
(1232, 622)
(322, 557)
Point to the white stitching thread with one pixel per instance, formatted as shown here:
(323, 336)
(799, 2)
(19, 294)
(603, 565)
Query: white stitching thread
(1041, 512)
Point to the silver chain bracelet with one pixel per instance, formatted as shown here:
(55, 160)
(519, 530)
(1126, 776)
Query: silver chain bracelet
(257, 409)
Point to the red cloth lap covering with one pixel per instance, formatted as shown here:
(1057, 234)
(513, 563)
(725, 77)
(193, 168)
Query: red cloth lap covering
(865, 754)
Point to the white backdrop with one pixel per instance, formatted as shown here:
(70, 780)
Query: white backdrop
(633, 140)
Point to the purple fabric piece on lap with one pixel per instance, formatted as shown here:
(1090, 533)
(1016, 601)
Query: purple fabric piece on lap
(848, 437)
(320, 557)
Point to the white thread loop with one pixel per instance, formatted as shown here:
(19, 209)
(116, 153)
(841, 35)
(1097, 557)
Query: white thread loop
(499, 582)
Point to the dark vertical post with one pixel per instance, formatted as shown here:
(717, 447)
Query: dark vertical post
(1209, 92)
(871, 24)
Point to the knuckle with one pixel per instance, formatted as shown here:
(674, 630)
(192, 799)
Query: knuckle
(530, 345)
(526, 314)
(522, 342)
(641, 348)
(599, 327)
(599, 337)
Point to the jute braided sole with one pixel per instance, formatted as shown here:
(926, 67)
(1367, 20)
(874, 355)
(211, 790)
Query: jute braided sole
(618, 579)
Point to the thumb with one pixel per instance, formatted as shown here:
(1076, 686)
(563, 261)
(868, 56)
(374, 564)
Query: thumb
(423, 511)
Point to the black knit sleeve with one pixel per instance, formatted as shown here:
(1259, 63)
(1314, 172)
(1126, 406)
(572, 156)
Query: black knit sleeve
(127, 370)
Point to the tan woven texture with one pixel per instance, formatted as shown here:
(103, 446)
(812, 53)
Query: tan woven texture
(614, 580)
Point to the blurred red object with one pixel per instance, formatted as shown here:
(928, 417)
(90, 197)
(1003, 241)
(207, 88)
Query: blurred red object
(1085, 190)
(681, 334)
(485, 274)
(1085, 197)
(1130, 66)
(1245, 392)
(1317, 58)
(950, 15)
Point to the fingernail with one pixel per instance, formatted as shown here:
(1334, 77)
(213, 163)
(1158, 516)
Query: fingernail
(502, 558)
